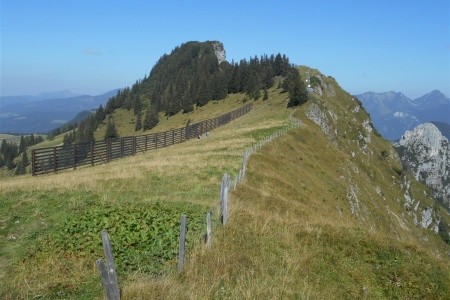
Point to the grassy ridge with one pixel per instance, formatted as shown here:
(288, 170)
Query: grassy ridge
(291, 230)
(291, 234)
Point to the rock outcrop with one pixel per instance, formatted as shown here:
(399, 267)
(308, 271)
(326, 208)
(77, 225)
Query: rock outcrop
(425, 152)
(219, 50)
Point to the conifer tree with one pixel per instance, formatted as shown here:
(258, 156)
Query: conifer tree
(25, 161)
(266, 94)
(151, 119)
(21, 166)
(137, 105)
(111, 131)
(22, 145)
(138, 122)
(295, 87)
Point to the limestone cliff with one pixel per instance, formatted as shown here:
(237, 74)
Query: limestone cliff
(425, 152)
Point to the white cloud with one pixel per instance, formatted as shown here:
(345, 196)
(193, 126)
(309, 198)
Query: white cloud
(91, 52)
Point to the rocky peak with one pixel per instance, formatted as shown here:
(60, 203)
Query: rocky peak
(219, 50)
(426, 153)
(427, 135)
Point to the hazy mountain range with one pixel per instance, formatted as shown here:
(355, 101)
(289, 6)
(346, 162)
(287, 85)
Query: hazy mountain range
(46, 111)
(393, 113)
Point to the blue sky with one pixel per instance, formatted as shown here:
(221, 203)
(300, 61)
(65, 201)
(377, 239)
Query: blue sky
(95, 46)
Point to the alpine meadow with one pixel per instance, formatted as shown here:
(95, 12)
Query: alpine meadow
(326, 210)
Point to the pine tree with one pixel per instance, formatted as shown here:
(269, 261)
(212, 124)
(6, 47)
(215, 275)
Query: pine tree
(295, 87)
(100, 114)
(21, 166)
(111, 131)
(22, 145)
(138, 122)
(25, 161)
(3, 147)
(137, 105)
(266, 94)
(151, 119)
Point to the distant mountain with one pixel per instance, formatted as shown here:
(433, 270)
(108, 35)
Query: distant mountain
(4, 100)
(426, 153)
(393, 113)
(23, 114)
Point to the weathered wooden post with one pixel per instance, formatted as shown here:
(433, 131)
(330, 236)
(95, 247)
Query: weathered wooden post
(182, 243)
(55, 162)
(92, 153)
(208, 230)
(108, 270)
(33, 162)
(74, 156)
(224, 198)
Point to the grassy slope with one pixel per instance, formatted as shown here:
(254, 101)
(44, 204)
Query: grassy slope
(291, 232)
(33, 207)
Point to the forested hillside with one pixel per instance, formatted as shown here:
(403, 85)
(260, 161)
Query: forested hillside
(190, 76)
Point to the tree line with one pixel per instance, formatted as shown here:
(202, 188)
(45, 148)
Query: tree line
(9, 153)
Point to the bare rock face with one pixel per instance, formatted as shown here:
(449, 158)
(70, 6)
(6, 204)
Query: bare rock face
(426, 153)
(220, 51)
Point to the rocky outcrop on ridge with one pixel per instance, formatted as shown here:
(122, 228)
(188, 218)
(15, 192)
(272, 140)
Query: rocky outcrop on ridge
(425, 152)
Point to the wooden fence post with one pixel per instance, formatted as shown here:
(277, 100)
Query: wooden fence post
(121, 147)
(108, 149)
(33, 162)
(108, 271)
(92, 153)
(208, 230)
(182, 243)
(224, 198)
(55, 163)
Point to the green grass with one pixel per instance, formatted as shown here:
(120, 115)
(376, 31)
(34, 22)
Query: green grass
(291, 233)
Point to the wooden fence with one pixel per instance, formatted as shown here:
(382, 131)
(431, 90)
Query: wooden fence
(53, 159)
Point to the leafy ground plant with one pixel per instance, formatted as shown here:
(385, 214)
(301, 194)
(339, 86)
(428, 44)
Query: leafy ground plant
(143, 239)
